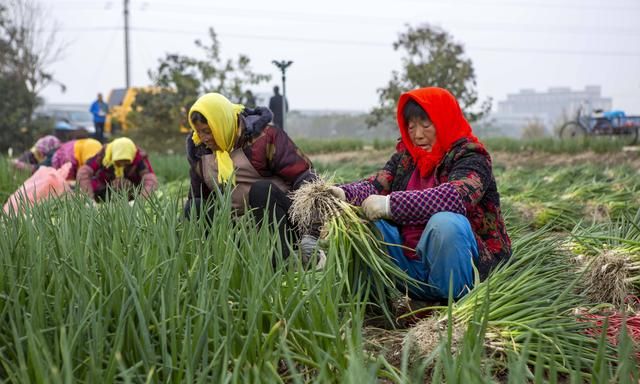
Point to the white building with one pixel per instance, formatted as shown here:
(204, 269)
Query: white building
(550, 108)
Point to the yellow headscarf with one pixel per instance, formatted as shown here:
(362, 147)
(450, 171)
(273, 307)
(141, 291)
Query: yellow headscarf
(84, 149)
(222, 118)
(121, 148)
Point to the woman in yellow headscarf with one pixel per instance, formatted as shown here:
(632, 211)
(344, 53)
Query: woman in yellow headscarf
(76, 152)
(237, 145)
(119, 165)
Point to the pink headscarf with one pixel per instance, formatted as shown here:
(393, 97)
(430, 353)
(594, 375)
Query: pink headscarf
(46, 144)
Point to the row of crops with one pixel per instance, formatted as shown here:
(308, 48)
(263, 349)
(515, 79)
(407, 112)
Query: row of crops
(123, 293)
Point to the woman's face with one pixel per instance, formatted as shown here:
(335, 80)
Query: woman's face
(205, 135)
(122, 163)
(422, 133)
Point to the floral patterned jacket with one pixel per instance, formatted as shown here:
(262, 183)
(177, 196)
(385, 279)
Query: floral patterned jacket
(94, 178)
(464, 184)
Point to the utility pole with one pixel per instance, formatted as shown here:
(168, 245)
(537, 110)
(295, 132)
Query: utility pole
(283, 65)
(126, 42)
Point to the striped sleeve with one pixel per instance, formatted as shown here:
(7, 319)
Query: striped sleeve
(417, 207)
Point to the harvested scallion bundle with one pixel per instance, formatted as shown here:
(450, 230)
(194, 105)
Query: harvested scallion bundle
(529, 301)
(606, 277)
(353, 248)
(313, 204)
(609, 255)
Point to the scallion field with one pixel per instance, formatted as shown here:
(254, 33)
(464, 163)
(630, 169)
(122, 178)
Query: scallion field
(123, 293)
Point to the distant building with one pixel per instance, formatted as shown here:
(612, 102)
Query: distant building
(549, 108)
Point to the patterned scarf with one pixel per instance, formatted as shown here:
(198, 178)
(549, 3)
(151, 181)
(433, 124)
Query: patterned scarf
(43, 146)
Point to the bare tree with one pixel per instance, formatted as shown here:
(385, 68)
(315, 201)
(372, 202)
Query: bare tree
(28, 46)
(32, 36)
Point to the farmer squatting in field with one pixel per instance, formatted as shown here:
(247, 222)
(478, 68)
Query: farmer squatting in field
(120, 165)
(436, 195)
(77, 152)
(37, 155)
(234, 144)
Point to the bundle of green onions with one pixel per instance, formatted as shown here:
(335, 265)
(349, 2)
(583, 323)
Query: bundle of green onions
(353, 248)
(528, 303)
(609, 256)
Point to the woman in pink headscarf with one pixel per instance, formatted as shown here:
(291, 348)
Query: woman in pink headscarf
(76, 152)
(42, 150)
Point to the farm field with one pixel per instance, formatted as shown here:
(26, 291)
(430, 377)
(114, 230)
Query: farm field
(137, 294)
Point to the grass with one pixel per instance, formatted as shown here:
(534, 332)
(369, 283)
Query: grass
(329, 146)
(554, 145)
(545, 145)
(120, 293)
(138, 294)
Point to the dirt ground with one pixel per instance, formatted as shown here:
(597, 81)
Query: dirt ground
(506, 159)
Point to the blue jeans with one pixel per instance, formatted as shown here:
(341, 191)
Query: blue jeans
(447, 249)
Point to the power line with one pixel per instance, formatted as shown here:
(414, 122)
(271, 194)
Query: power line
(316, 17)
(320, 18)
(390, 21)
(84, 5)
(521, 28)
(531, 4)
(103, 60)
(369, 43)
(454, 3)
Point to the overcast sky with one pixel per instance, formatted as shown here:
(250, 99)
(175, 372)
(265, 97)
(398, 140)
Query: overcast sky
(342, 50)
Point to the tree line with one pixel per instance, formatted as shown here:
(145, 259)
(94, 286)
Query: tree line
(431, 58)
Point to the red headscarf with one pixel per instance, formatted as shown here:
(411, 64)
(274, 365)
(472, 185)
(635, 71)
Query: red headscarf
(451, 126)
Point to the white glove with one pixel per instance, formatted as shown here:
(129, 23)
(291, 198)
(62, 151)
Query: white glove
(377, 207)
(308, 247)
(338, 193)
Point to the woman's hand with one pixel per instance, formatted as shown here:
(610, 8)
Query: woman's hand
(338, 193)
(377, 207)
(309, 250)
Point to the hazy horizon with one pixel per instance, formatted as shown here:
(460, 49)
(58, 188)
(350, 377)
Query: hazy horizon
(342, 51)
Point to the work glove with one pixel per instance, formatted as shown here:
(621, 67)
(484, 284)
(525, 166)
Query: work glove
(377, 207)
(309, 250)
(338, 193)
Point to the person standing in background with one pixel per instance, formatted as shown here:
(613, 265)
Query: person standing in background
(249, 100)
(275, 105)
(99, 109)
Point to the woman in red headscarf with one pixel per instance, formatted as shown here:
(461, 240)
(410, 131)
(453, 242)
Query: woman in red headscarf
(436, 197)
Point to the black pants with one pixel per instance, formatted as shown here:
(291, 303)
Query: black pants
(99, 135)
(271, 203)
(267, 201)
